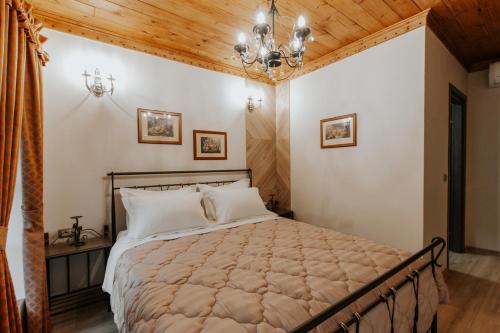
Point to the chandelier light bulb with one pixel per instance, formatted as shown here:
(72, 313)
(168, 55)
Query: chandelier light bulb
(296, 44)
(261, 18)
(301, 22)
(242, 38)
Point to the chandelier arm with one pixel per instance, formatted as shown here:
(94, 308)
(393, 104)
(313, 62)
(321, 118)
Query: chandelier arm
(249, 63)
(292, 65)
(283, 50)
(248, 74)
(288, 76)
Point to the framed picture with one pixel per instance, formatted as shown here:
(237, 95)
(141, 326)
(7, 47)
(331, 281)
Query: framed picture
(209, 145)
(339, 131)
(159, 127)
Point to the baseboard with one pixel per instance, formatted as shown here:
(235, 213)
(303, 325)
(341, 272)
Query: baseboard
(486, 252)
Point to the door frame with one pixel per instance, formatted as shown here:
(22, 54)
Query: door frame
(454, 93)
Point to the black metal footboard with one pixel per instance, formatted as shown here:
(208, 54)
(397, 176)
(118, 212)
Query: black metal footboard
(412, 278)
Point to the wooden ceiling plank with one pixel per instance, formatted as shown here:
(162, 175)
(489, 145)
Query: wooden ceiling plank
(207, 29)
(343, 30)
(426, 4)
(69, 5)
(157, 26)
(132, 32)
(380, 10)
(330, 20)
(315, 12)
(491, 10)
(356, 13)
(211, 19)
(405, 8)
(284, 26)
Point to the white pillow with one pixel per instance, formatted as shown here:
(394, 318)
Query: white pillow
(236, 204)
(170, 211)
(128, 192)
(207, 205)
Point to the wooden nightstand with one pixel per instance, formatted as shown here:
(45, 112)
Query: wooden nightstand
(75, 274)
(283, 212)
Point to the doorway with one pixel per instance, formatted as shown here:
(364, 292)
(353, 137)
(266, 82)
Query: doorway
(456, 170)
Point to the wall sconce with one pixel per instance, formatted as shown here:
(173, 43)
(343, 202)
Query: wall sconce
(251, 105)
(98, 88)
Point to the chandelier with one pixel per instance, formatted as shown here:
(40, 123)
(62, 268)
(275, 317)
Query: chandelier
(265, 55)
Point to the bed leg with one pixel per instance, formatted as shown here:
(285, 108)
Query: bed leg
(434, 326)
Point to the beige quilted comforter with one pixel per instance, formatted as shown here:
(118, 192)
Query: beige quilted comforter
(262, 277)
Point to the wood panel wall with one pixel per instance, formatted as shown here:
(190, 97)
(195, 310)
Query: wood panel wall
(261, 140)
(283, 145)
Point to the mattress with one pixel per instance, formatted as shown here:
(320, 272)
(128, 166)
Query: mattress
(262, 277)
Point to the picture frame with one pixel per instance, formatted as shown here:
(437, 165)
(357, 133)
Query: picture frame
(340, 131)
(209, 145)
(159, 127)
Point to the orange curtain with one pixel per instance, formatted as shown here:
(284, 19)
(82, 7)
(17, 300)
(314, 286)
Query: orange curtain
(13, 53)
(35, 284)
(20, 59)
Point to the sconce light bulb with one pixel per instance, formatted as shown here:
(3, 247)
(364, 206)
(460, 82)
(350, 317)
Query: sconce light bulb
(242, 38)
(301, 22)
(261, 18)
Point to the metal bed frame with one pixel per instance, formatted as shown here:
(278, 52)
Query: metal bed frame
(438, 244)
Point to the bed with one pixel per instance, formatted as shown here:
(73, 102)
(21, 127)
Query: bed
(267, 274)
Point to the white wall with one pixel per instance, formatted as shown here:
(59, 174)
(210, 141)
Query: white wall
(86, 137)
(374, 190)
(441, 69)
(483, 164)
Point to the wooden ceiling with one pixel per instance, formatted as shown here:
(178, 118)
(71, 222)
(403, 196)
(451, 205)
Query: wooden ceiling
(203, 32)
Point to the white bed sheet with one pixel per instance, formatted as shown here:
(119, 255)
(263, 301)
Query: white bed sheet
(123, 243)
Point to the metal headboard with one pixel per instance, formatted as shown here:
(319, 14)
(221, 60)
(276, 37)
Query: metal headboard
(163, 187)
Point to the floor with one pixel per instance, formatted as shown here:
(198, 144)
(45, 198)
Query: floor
(474, 284)
(95, 319)
(473, 280)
